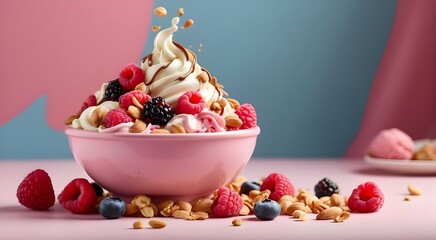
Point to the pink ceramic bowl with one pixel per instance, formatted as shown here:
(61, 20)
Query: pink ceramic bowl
(174, 166)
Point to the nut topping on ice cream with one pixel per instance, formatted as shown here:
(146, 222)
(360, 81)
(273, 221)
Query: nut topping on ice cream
(168, 92)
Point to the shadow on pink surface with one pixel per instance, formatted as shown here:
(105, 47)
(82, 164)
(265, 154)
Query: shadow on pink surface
(65, 50)
(56, 212)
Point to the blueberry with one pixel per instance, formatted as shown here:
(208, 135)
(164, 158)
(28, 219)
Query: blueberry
(112, 207)
(267, 209)
(98, 190)
(247, 186)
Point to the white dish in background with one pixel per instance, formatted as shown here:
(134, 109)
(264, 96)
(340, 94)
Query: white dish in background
(405, 166)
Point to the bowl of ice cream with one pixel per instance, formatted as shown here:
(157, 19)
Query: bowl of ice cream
(176, 166)
(164, 128)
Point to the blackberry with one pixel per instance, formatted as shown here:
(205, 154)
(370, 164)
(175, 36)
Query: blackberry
(98, 190)
(326, 187)
(157, 111)
(113, 91)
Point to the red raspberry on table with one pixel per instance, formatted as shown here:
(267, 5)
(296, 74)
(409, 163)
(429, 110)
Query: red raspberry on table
(78, 196)
(227, 203)
(115, 117)
(247, 114)
(367, 197)
(90, 101)
(36, 191)
(279, 185)
(130, 76)
(126, 99)
(191, 102)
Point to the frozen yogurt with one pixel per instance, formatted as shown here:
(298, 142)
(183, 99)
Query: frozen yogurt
(168, 90)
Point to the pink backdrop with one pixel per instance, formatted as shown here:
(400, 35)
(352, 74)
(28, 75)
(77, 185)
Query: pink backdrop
(66, 54)
(403, 92)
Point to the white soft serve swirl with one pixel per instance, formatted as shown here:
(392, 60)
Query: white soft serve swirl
(166, 82)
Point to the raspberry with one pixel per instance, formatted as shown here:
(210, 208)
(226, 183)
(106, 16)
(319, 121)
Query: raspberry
(279, 185)
(115, 117)
(157, 111)
(90, 101)
(36, 191)
(191, 102)
(113, 90)
(130, 76)
(227, 203)
(247, 114)
(366, 198)
(78, 196)
(326, 187)
(126, 99)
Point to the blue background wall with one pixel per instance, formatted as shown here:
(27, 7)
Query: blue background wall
(306, 66)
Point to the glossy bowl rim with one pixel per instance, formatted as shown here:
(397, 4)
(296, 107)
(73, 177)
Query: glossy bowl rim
(72, 132)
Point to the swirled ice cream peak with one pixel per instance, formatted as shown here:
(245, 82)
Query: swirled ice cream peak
(171, 70)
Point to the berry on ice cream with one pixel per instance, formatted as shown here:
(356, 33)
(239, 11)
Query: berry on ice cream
(168, 90)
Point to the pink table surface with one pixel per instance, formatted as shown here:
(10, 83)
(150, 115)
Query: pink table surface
(398, 219)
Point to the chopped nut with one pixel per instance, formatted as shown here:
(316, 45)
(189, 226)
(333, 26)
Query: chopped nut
(253, 193)
(141, 201)
(328, 213)
(180, 12)
(244, 211)
(203, 206)
(131, 209)
(181, 214)
(284, 207)
(157, 223)
(155, 28)
(237, 222)
(134, 112)
(342, 216)
(336, 200)
(147, 211)
(160, 131)
(250, 206)
(233, 121)
(216, 107)
(414, 190)
(199, 216)
(160, 12)
(233, 103)
(137, 103)
(296, 206)
(188, 23)
(165, 204)
(300, 214)
(138, 127)
(177, 128)
(426, 152)
(183, 205)
(407, 198)
(138, 224)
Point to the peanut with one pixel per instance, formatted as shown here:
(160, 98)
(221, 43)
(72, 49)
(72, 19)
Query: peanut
(414, 190)
(157, 224)
(160, 12)
(237, 222)
(138, 224)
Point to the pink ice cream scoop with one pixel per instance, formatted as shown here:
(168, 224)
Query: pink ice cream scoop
(393, 144)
